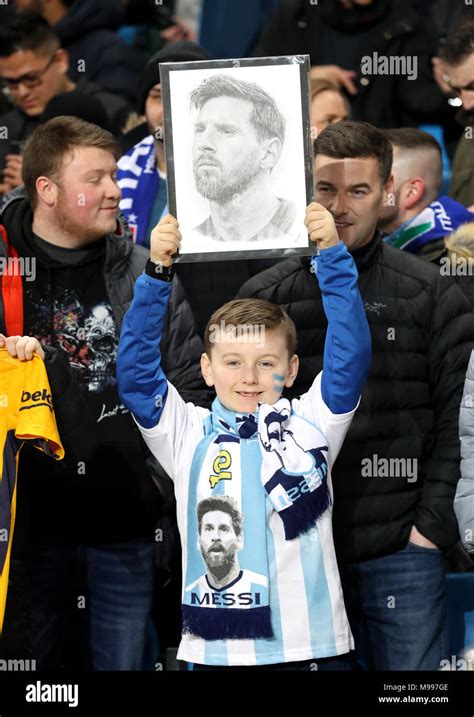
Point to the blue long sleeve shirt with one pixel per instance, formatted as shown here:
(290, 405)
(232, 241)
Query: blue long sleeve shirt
(347, 351)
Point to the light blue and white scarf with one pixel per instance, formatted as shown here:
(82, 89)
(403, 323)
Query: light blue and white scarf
(245, 467)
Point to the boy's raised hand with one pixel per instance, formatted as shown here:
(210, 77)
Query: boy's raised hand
(21, 347)
(165, 240)
(321, 227)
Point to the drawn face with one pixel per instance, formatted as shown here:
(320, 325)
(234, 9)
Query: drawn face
(226, 151)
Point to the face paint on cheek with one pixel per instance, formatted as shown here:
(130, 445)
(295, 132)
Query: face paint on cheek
(278, 385)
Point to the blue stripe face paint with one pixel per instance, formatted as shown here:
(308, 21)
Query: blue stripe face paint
(279, 382)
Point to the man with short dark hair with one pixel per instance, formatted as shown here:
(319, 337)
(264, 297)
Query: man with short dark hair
(33, 68)
(457, 58)
(103, 512)
(396, 475)
(416, 218)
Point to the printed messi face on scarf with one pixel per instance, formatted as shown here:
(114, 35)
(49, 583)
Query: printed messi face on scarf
(248, 462)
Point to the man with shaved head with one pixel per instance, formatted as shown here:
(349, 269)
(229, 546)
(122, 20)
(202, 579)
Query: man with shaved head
(414, 218)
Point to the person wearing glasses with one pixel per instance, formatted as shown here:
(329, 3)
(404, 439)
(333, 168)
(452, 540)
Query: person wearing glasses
(33, 70)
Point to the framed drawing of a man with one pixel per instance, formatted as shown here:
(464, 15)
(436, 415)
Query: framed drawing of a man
(239, 156)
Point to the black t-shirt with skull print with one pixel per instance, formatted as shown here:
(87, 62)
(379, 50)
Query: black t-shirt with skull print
(112, 497)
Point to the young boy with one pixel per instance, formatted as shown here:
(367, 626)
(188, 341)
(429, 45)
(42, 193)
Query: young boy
(252, 476)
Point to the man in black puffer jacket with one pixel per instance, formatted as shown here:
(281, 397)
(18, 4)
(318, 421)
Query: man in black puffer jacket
(396, 475)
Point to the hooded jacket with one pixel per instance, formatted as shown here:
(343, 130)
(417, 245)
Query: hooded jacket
(422, 334)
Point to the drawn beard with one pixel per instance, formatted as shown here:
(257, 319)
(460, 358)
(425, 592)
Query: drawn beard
(224, 188)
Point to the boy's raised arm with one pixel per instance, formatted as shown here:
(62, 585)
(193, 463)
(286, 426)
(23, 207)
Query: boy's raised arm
(142, 383)
(347, 349)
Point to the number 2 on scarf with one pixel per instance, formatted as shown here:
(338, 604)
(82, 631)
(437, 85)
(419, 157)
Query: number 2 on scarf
(220, 465)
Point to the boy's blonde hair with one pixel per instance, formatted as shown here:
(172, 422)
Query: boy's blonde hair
(257, 313)
(461, 242)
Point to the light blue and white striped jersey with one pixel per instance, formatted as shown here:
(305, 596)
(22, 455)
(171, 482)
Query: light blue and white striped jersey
(307, 607)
